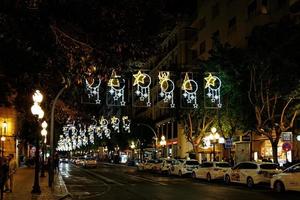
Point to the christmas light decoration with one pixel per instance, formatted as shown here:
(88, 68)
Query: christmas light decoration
(141, 87)
(167, 87)
(116, 90)
(93, 89)
(190, 88)
(213, 89)
(115, 123)
(126, 124)
(104, 127)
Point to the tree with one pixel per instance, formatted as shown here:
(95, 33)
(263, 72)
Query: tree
(273, 70)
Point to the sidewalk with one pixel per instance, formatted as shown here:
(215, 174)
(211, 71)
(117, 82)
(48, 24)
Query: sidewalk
(23, 182)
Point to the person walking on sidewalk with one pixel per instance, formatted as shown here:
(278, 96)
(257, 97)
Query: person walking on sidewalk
(12, 168)
(3, 174)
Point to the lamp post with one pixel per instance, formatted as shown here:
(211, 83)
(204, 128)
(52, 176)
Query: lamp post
(155, 136)
(2, 142)
(3, 133)
(44, 134)
(214, 137)
(163, 143)
(37, 110)
(132, 146)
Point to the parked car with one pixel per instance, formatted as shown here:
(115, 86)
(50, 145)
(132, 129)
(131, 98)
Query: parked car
(146, 165)
(211, 170)
(165, 165)
(134, 162)
(183, 167)
(156, 166)
(251, 173)
(89, 162)
(289, 179)
(79, 161)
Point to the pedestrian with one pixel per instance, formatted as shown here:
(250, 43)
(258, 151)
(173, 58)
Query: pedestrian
(4, 174)
(12, 169)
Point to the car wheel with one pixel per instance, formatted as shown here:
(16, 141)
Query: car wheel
(279, 187)
(180, 173)
(208, 177)
(250, 182)
(227, 179)
(194, 175)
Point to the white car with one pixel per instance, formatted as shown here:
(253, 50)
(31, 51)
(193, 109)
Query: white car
(182, 167)
(165, 165)
(211, 170)
(147, 165)
(289, 179)
(251, 173)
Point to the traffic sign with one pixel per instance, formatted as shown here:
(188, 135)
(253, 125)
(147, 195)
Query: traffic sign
(228, 143)
(286, 146)
(287, 136)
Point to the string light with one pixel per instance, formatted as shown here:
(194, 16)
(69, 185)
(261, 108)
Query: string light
(115, 122)
(116, 89)
(190, 88)
(126, 124)
(213, 89)
(93, 89)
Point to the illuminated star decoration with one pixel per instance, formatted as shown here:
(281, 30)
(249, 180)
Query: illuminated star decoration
(115, 122)
(116, 88)
(93, 90)
(213, 88)
(190, 92)
(142, 88)
(126, 124)
(167, 88)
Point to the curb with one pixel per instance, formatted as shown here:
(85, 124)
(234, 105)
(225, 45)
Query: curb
(60, 189)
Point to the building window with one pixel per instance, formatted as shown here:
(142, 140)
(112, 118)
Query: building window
(215, 11)
(281, 4)
(232, 24)
(252, 9)
(202, 47)
(215, 38)
(264, 7)
(202, 23)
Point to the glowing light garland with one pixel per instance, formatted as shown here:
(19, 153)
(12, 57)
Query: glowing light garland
(167, 87)
(126, 124)
(213, 88)
(117, 89)
(93, 90)
(115, 123)
(104, 127)
(190, 88)
(142, 87)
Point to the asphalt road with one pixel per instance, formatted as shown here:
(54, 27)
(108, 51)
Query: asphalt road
(122, 182)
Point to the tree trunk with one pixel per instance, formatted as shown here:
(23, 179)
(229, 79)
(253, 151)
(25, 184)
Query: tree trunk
(275, 151)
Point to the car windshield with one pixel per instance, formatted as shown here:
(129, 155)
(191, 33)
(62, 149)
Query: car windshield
(192, 162)
(269, 166)
(223, 165)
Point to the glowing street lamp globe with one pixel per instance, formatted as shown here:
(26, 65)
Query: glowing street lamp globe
(44, 132)
(3, 139)
(37, 97)
(44, 125)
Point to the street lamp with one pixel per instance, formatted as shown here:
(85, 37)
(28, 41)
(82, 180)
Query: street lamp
(44, 134)
(36, 109)
(214, 137)
(163, 143)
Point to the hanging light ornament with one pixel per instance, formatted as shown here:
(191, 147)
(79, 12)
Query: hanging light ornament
(126, 124)
(190, 88)
(115, 123)
(104, 127)
(116, 90)
(213, 89)
(91, 131)
(141, 86)
(167, 88)
(93, 89)
(74, 136)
